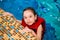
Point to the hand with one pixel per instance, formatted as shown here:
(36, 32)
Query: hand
(19, 21)
(7, 13)
(26, 29)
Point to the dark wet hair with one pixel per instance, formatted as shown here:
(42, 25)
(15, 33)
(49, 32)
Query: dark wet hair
(30, 8)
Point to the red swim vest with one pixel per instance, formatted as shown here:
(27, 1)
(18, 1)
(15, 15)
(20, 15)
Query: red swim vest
(35, 25)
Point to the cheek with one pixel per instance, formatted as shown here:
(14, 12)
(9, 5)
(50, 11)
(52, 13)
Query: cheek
(25, 20)
(32, 20)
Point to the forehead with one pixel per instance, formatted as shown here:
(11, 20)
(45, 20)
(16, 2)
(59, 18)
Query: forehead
(28, 12)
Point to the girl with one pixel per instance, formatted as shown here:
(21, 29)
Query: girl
(33, 23)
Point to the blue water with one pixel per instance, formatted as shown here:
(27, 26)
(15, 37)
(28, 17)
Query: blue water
(49, 10)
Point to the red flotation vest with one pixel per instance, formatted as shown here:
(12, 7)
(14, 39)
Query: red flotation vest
(35, 25)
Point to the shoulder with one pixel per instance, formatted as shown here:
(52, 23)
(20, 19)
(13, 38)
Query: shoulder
(41, 19)
(42, 23)
(39, 28)
(23, 22)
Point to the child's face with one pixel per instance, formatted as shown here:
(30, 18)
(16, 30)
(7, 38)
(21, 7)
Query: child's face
(29, 17)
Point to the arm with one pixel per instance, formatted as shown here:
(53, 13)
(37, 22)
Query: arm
(26, 29)
(39, 32)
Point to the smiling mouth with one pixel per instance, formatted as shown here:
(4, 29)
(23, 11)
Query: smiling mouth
(28, 22)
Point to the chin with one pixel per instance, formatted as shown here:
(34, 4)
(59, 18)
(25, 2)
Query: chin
(29, 24)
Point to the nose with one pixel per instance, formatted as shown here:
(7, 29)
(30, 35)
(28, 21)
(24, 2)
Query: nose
(28, 20)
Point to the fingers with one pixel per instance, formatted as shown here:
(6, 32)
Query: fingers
(29, 30)
(19, 21)
(1, 11)
(34, 33)
(5, 13)
(26, 30)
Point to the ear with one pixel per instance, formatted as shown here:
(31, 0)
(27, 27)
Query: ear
(35, 17)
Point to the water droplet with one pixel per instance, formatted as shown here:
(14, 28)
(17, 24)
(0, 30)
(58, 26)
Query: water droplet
(51, 15)
(1, 0)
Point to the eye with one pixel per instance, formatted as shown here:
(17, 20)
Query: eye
(25, 17)
(30, 16)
